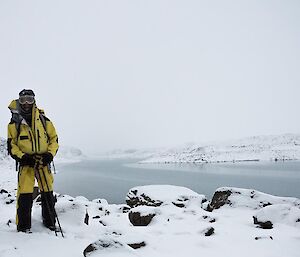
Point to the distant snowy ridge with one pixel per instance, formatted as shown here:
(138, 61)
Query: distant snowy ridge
(131, 153)
(258, 148)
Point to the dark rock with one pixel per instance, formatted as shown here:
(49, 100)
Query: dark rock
(89, 249)
(3, 191)
(261, 224)
(219, 199)
(102, 223)
(209, 231)
(9, 201)
(100, 245)
(134, 201)
(147, 196)
(264, 204)
(180, 205)
(86, 218)
(137, 219)
(209, 219)
(137, 245)
(125, 208)
(263, 237)
(8, 222)
(96, 217)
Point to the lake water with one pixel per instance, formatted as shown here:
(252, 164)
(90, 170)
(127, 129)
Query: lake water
(112, 179)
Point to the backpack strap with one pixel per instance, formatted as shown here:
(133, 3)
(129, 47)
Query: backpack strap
(17, 119)
(43, 119)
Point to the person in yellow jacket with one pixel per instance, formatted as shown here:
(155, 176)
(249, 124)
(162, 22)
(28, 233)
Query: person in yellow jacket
(32, 141)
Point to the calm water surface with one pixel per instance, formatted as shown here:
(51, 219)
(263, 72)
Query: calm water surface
(111, 179)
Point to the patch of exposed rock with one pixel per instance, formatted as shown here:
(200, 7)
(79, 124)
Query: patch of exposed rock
(141, 216)
(101, 244)
(277, 213)
(157, 195)
(239, 197)
(6, 197)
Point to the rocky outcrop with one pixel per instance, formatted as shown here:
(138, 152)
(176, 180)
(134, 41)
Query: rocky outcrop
(157, 195)
(142, 215)
(263, 224)
(219, 199)
(277, 213)
(6, 197)
(138, 219)
(239, 197)
(180, 210)
(134, 199)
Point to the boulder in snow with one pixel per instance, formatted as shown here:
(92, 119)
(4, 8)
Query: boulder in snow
(278, 213)
(137, 245)
(239, 197)
(6, 197)
(102, 244)
(157, 195)
(142, 216)
(208, 231)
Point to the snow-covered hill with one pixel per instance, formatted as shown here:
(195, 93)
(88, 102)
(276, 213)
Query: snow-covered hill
(130, 153)
(273, 148)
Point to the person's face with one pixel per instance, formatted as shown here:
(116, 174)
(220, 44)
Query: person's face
(27, 107)
(26, 102)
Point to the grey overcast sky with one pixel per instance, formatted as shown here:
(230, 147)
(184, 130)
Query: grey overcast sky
(123, 74)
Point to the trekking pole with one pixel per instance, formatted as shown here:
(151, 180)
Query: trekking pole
(47, 203)
(37, 174)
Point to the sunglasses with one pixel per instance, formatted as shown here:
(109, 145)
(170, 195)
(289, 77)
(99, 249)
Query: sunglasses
(29, 99)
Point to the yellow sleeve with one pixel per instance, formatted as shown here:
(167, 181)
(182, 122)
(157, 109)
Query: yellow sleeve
(12, 146)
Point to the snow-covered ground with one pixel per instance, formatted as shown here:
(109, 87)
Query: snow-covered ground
(266, 148)
(179, 224)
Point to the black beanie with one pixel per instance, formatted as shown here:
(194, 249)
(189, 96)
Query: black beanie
(26, 92)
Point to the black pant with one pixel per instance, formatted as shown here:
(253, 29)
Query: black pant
(25, 207)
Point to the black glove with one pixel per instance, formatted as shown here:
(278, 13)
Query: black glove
(47, 158)
(27, 160)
